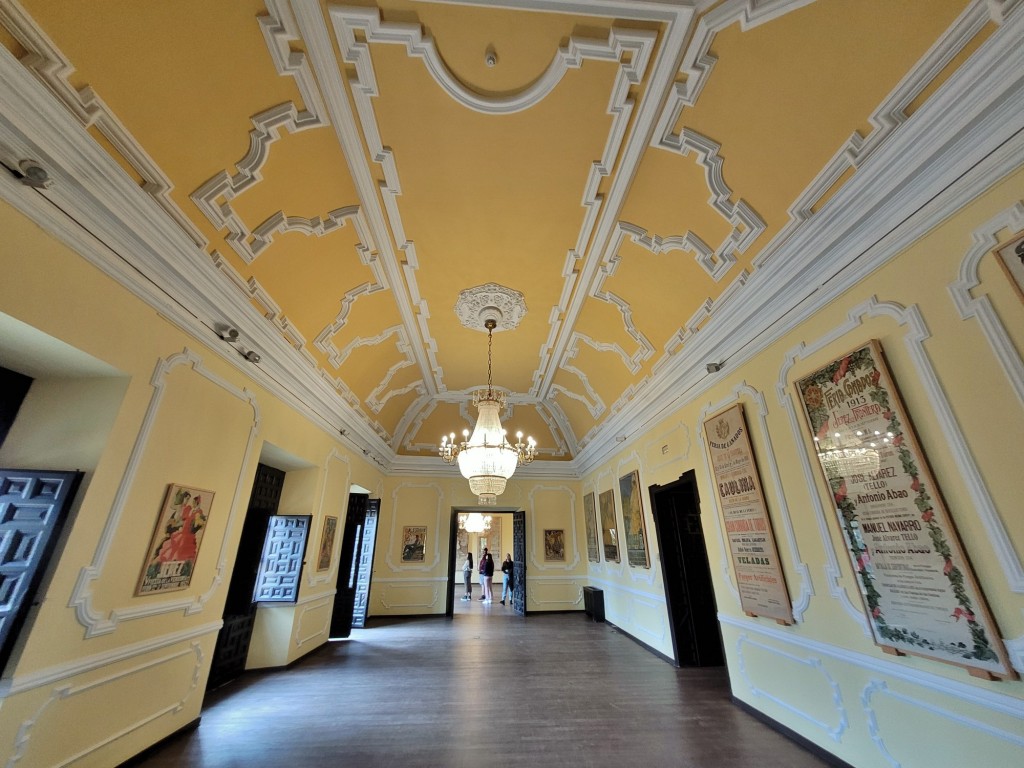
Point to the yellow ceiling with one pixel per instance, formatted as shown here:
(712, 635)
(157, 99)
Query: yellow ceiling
(352, 169)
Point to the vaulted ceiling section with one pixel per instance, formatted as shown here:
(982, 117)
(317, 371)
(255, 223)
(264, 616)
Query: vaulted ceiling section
(629, 167)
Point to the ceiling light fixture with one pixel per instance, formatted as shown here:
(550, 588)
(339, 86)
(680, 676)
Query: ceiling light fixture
(474, 522)
(486, 458)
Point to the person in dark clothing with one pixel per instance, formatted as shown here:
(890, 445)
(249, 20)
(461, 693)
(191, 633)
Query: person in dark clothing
(507, 568)
(487, 575)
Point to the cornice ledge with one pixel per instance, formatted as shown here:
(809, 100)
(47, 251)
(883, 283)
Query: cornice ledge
(430, 466)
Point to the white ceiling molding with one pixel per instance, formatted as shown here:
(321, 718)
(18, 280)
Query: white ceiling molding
(746, 224)
(962, 140)
(633, 45)
(53, 69)
(490, 301)
(279, 32)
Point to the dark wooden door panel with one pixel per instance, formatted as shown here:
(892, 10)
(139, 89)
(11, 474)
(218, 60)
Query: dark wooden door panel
(284, 548)
(348, 566)
(519, 561)
(33, 507)
(365, 566)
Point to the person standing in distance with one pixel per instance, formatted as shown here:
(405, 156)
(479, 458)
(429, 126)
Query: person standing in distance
(467, 576)
(483, 574)
(507, 569)
(488, 576)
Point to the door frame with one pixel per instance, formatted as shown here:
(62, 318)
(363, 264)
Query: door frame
(453, 532)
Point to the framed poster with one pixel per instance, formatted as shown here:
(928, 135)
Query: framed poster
(554, 545)
(174, 548)
(1011, 259)
(919, 590)
(590, 520)
(609, 533)
(748, 528)
(323, 558)
(414, 541)
(633, 520)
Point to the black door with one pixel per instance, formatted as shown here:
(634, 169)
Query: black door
(365, 568)
(33, 507)
(348, 566)
(239, 610)
(284, 551)
(519, 562)
(693, 617)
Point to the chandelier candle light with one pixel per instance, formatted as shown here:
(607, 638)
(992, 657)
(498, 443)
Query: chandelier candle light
(486, 458)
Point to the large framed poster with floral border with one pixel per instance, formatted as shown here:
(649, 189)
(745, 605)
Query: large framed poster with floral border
(633, 525)
(748, 528)
(919, 590)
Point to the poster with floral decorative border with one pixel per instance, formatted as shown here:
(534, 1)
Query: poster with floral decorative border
(920, 594)
(590, 521)
(748, 527)
(174, 548)
(633, 525)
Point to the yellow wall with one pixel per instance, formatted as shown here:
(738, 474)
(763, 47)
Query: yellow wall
(171, 410)
(824, 677)
(401, 588)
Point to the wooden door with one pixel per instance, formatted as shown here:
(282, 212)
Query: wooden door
(33, 507)
(365, 568)
(279, 576)
(693, 616)
(232, 647)
(348, 566)
(519, 562)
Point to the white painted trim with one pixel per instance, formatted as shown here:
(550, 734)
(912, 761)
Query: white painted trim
(330, 576)
(425, 566)
(49, 675)
(390, 588)
(973, 693)
(836, 732)
(531, 518)
(92, 618)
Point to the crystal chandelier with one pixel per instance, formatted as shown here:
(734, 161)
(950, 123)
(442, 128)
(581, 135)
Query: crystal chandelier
(474, 522)
(486, 458)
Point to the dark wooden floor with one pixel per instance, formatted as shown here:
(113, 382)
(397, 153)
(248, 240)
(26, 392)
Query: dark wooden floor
(486, 688)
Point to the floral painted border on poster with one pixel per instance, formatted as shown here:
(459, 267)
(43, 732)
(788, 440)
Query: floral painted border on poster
(323, 559)
(414, 543)
(920, 593)
(748, 527)
(609, 534)
(174, 548)
(590, 520)
(633, 523)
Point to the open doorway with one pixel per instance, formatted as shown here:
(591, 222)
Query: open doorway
(693, 617)
(496, 529)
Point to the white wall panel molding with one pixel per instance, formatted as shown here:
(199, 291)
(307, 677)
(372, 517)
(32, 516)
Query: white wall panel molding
(746, 224)
(655, 598)
(99, 621)
(165, 700)
(975, 692)
(664, 459)
(407, 594)
(743, 391)
(394, 536)
(318, 612)
(835, 732)
(877, 726)
(554, 592)
(86, 664)
(984, 241)
(538, 533)
(334, 462)
(54, 70)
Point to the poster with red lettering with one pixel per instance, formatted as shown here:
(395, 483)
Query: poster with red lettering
(919, 590)
(748, 528)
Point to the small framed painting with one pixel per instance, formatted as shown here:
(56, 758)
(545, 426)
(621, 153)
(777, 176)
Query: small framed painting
(609, 531)
(414, 540)
(323, 558)
(554, 545)
(633, 520)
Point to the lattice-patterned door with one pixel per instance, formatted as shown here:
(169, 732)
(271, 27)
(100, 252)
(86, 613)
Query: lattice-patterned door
(365, 567)
(281, 564)
(33, 507)
(519, 559)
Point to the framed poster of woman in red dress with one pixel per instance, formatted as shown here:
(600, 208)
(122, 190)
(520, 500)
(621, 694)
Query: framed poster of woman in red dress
(172, 553)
